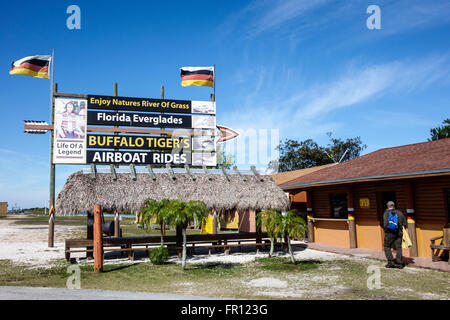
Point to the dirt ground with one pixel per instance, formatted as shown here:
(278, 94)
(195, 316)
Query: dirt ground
(249, 275)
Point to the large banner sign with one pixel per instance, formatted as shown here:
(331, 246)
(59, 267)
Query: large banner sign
(72, 144)
(151, 105)
(69, 143)
(127, 119)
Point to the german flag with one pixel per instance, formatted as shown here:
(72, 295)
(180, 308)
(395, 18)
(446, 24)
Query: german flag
(197, 76)
(33, 66)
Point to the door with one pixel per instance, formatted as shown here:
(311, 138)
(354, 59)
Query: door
(382, 199)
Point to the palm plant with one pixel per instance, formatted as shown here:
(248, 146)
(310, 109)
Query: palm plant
(271, 220)
(154, 211)
(293, 227)
(180, 214)
(279, 225)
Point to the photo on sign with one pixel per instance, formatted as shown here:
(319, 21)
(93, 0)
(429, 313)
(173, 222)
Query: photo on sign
(70, 118)
(203, 143)
(206, 107)
(69, 143)
(203, 122)
(204, 159)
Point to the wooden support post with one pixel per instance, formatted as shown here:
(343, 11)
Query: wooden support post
(98, 239)
(214, 222)
(226, 249)
(179, 239)
(225, 173)
(446, 237)
(410, 213)
(310, 215)
(133, 171)
(90, 234)
(188, 171)
(351, 218)
(113, 171)
(206, 172)
(116, 92)
(130, 252)
(150, 171)
(116, 224)
(51, 223)
(51, 227)
(93, 170)
(170, 171)
(255, 172)
(239, 174)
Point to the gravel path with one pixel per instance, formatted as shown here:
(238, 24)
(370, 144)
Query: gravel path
(33, 293)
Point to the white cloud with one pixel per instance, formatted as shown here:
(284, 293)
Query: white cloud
(300, 19)
(305, 113)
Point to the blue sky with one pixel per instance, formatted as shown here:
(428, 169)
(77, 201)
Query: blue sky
(302, 67)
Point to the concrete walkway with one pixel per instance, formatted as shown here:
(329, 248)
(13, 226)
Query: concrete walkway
(36, 293)
(421, 262)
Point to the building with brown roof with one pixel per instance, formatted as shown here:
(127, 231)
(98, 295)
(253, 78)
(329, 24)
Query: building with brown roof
(3, 208)
(298, 199)
(345, 202)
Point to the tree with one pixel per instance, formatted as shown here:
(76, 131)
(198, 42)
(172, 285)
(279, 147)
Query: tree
(223, 159)
(339, 150)
(271, 220)
(441, 132)
(180, 214)
(279, 225)
(293, 227)
(299, 155)
(306, 154)
(154, 211)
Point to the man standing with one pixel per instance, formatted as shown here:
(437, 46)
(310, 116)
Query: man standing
(393, 221)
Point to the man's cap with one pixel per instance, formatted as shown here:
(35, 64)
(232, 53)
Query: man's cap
(390, 203)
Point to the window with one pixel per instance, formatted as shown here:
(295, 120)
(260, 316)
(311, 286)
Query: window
(339, 205)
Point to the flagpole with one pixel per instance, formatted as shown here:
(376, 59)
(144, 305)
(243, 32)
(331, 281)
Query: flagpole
(51, 221)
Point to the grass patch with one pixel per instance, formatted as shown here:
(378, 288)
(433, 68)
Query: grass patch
(43, 220)
(314, 279)
(285, 264)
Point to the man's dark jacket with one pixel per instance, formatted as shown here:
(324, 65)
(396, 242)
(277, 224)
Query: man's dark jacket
(401, 221)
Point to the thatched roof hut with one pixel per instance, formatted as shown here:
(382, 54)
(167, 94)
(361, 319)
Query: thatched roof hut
(218, 191)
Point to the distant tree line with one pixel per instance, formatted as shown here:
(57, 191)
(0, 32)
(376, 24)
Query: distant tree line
(296, 154)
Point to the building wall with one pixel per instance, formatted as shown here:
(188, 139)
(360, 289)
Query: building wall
(3, 207)
(247, 221)
(332, 232)
(369, 234)
(430, 204)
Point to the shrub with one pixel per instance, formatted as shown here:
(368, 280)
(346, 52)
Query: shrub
(159, 255)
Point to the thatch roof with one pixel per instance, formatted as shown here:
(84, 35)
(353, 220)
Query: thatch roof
(82, 191)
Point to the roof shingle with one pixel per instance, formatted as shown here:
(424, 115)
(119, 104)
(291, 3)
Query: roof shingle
(412, 158)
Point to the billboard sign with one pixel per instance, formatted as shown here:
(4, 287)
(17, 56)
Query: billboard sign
(69, 140)
(72, 144)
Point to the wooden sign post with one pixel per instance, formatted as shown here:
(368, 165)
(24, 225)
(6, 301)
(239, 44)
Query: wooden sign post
(51, 227)
(98, 239)
(351, 218)
(116, 224)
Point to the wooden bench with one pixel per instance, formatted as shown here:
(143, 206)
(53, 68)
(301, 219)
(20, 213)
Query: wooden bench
(131, 244)
(438, 247)
(111, 244)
